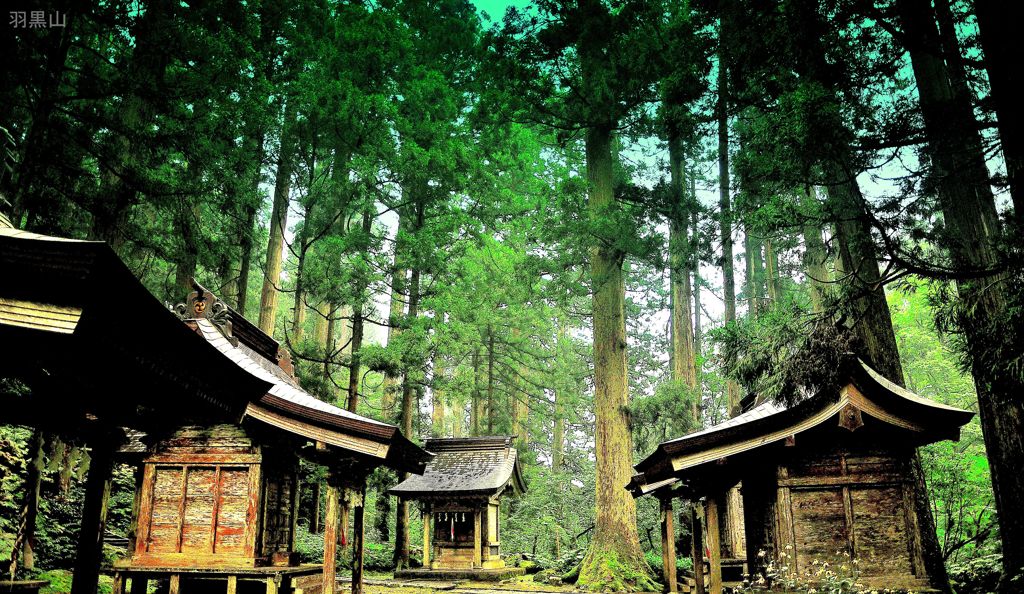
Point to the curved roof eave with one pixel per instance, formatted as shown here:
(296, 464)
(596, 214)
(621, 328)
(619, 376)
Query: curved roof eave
(768, 423)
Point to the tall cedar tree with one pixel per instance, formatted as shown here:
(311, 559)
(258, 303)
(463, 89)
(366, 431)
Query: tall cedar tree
(972, 235)
(597, 65)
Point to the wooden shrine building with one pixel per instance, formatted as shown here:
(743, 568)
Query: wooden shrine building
(200, 399)
(460, 492)
(827, 480)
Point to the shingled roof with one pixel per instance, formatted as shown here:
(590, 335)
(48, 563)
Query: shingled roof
(285, 405)
(466, 466)
(769, 423)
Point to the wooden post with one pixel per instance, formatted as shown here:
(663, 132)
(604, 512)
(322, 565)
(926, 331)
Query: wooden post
(332, 516)
(358, 533)
(117, 587)
(175, 586)
(478, 544)
(697, 548)
(94, 520)
(714, 545)
(232, 584)
(668, 545)
(133, 526)
(426, 537)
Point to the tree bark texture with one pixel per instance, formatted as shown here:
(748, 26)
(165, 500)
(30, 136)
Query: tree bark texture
(615, 547)
(973, 231)
(999, 29)
(684, 364)
(725, 207)
(815, 254)
(278, 224)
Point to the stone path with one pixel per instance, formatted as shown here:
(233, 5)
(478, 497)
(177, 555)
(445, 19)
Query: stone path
(447, 586)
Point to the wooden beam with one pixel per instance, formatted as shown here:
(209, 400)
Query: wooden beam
(697, 548)
(332, 518)
(94, 519)
(358, 539)
(668, 546)
(714, 544)
(426, 537)
(477, 540)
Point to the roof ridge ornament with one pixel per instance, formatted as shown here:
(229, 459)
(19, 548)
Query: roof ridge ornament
(203, 304)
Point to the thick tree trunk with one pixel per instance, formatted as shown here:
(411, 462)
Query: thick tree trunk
(399, 272)
(698, 336)
(732, 389)
(684, 366)
(972, 224)
(999, 28)
(614, 552)
(815, 254)
(870, 318)
(299, 303)
(278, 224)
(409, 409)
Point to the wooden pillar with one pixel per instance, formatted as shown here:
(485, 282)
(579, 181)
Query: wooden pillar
(714, 544)
(668, 545)
(94, 519)
(133, 526)
(426, 536)
(332, 517)
(478, 544)
(232, 584)
(358, 533)
(697, 548)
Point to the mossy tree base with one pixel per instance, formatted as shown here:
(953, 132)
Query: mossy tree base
(610, 571)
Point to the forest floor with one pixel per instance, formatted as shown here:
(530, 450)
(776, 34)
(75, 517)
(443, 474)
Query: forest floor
(386, 584)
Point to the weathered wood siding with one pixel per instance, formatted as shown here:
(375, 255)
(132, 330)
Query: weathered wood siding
(212, 496)
(838, 505)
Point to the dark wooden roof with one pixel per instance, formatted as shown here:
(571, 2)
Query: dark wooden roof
(73, 314)
(92, 342)
(466, 466)
(874, 396)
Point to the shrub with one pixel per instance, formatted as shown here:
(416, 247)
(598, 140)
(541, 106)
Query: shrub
(976, 576)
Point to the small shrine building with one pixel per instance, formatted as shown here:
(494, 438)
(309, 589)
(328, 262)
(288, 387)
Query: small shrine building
(460, 491)
(202, 401)
(827, 480)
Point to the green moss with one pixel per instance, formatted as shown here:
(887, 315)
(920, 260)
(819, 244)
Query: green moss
(608, 571)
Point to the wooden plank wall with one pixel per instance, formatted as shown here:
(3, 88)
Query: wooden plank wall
(839, 505)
